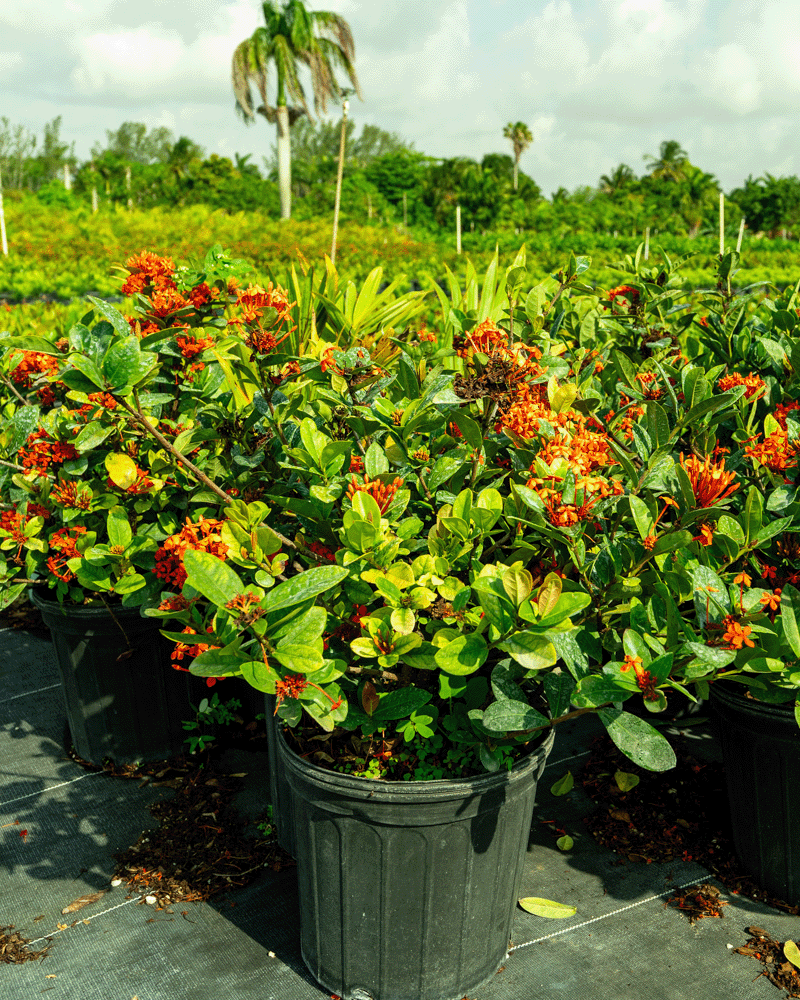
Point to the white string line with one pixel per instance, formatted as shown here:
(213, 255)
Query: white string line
(94, 916)
(605, 916)
(50, 788)
(27, 694)
(564, 760)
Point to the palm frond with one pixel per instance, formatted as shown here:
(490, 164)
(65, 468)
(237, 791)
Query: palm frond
(286, 66)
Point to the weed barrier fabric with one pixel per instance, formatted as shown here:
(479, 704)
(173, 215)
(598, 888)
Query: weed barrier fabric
(244, 945)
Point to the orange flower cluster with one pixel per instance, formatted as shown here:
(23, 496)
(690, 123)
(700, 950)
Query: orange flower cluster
(382, 493)
(710, 481)
(103, 399)
(628, 295)
(201, 295)
(185, 649)
(292, 686)
(775, 451)
(40, 451)
(755, 385)
(255, 299)
(246, 608)
(327, 363)
(75, 495)
(356, 464)
(644, 679)
(191, 346)
(736, 635)
(33, 363)
(203, 536)
(65, 543)
(148, 269)
(782, 411)
(177, 603)
(520, 360)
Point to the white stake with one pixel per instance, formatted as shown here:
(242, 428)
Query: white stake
(369, 205)
(741, 234)
(128, 185)
(721, 224)
(338, 201)
(94, 200)
(458, 229)
(67, 178)
(405, 213)
(647, 243)
(3, 221)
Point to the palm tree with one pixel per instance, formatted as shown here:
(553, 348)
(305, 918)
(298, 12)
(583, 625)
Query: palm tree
(671, 162)
(292, 35)
(521, 137)
(619, 178)
(699, 197)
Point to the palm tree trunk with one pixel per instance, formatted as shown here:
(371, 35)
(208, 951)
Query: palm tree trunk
(516, 171)
(284, 162)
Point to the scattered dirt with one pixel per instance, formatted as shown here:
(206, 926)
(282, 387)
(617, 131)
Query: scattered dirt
(780, 972)
(698, 901)
(199, 848)
(14, 947)
(680, 814)
(21, 614)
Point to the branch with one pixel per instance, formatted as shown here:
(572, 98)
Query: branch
(13, 388)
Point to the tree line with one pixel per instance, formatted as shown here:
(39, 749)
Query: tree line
(387, 180)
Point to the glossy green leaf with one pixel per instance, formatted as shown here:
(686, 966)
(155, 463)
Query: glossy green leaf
(638, 740)
(212, 577)
(463, 655)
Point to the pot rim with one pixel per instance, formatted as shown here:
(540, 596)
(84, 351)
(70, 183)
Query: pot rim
(378, 789)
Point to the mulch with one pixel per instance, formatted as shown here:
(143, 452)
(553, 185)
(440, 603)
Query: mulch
(14, 947)
(681, 814)
(765, 949)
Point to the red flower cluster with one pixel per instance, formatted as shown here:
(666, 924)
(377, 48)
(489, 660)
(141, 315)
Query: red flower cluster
(628, 295)
(69, 494)
(203, 536)
(65, 543)
(191, 346)
(40, 451)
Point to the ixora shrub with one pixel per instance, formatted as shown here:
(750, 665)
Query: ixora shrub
(430, 548)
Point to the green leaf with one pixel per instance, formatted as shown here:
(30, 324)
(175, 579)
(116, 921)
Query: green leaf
(300, 658)
(565, 843)
(304, 586)
(533, 652)
(215, 663)
(792, 953)
(790, 611)
(122, 363)
(111, 315)
(564, 785)
(595, 690)
(118, 526)
(91, 435)
(443, 469)
(509, 715)
(88, 368)
(400, 704)
(558, 688)
(258, 675)
(212, 577)
(638, 740)
(375, 461)
(463, 655)
(546, 908)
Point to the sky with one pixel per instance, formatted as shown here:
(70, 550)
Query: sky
(598, 82)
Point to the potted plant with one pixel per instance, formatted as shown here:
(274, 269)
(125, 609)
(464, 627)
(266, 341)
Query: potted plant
(432, 550)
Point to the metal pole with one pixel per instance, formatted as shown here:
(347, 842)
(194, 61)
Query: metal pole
(345, 106)
(458, 229)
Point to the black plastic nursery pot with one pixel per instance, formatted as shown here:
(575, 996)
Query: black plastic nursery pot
(408, 889)
(127, 708)
(761, 752)
(281, 796)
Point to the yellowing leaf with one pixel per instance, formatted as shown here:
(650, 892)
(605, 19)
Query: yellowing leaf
(792, 952)
(565, 843)
(563, 785)
(549, 593)
(547, 908)
(625, 781)
(121, 470)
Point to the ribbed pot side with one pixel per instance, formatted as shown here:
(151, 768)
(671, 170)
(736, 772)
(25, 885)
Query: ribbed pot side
(128, 709)
(761, 752)
(408, 889)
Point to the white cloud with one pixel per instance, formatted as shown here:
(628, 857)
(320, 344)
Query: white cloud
(10, 61)
(732, 78)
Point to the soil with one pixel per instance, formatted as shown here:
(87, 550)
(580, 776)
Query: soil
(681, 814)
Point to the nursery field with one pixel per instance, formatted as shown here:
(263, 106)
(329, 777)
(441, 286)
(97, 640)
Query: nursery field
(65, 254)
